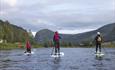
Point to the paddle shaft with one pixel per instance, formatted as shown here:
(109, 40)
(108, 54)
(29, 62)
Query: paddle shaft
(52, 50)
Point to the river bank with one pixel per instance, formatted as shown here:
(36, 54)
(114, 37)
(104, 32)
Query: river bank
(9, 46)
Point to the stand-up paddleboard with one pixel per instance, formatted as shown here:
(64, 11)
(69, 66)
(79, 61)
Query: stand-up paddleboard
(28, 53)
(99, 54)
(61, 54)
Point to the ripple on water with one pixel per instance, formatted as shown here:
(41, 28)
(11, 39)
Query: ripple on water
(74, 59)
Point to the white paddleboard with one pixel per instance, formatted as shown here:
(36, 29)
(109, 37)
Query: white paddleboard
(99, 54)
(27, 53)
(58, 54)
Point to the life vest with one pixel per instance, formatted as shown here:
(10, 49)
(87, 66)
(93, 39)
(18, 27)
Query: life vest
(28, 45)
(56, 37)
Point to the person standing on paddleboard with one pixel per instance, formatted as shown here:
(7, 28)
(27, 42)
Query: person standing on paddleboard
(28, 47)
(56, 42)
(98, 41)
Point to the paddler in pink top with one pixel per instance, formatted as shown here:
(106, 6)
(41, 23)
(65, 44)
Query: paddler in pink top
(28, 47)
(56, 42)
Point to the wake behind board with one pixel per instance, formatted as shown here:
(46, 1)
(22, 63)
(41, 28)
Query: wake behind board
(27, 53)
(57, 55)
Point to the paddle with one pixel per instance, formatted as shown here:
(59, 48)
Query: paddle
(52, 50)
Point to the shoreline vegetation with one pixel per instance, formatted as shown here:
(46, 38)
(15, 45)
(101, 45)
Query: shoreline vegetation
(15, 37)
(11, 46)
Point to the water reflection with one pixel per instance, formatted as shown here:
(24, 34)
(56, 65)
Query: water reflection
(99, 58)
(56, 63)
(57, 60)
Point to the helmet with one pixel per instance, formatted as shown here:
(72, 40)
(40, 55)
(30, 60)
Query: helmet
(98, 33)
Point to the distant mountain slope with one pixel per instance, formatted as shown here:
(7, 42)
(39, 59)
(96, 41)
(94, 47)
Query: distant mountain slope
(44, 35)
(108, 33)
(11, 33)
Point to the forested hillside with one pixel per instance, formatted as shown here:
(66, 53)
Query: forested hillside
(11, 33)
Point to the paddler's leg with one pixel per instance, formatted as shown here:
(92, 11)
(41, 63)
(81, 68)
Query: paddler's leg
(58, 46)
(55, 47)
(29, 50)
(96, 47)
(100, 47)
(55, 50)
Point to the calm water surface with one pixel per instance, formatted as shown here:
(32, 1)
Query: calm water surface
(74, 59)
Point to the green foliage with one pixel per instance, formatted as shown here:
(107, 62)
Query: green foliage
(11, 33)
(37, 46)
(86, 44)
(109, 44)
(8, 46)
(31, 37)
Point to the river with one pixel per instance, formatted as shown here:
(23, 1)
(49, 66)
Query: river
(73, 59)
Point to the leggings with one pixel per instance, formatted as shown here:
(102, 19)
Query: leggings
(98, 46)
(57, 47)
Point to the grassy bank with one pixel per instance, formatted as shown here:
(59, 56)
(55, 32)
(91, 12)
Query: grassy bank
(10, 46)
(109, 44)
